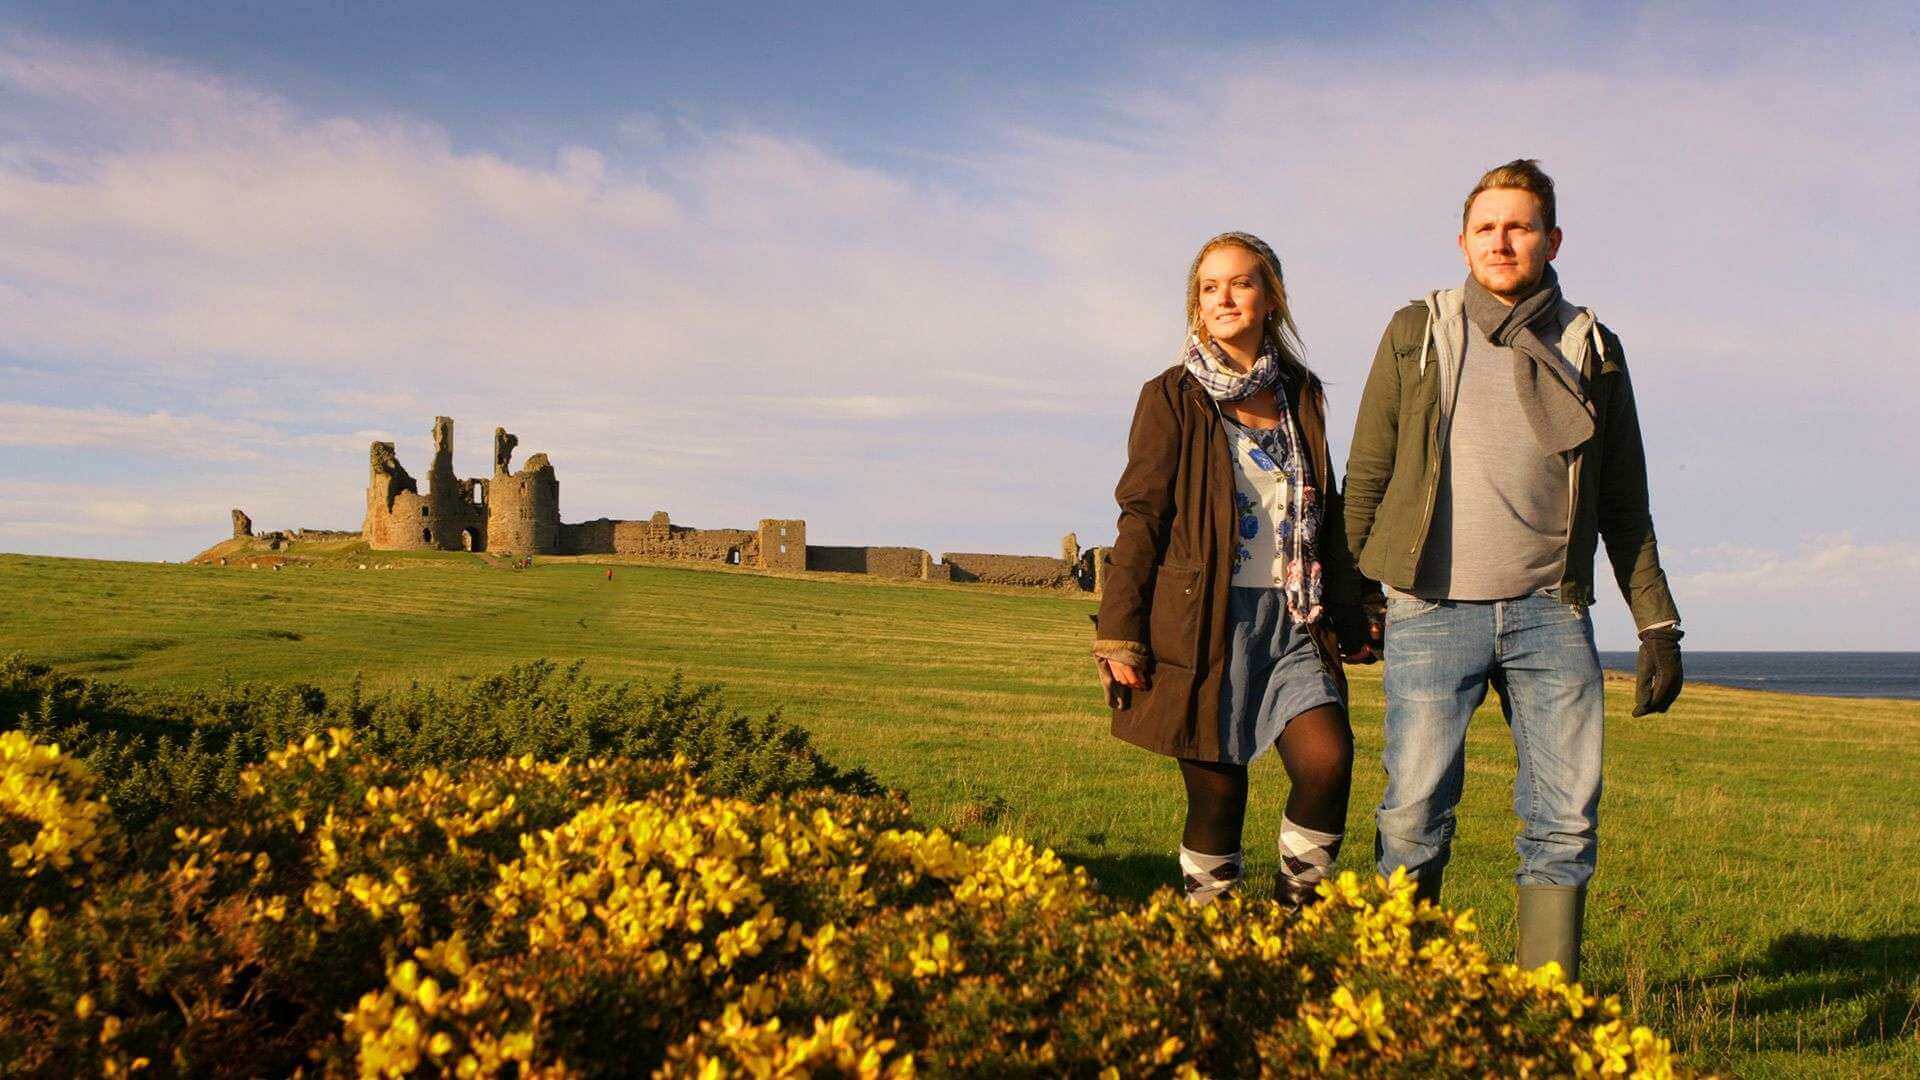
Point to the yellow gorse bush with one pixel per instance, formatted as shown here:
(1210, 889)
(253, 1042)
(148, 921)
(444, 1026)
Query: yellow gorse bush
(609, 916)
(45, 802)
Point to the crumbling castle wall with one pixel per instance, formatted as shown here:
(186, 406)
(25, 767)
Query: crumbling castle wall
(394, 520)
(1032, 571)
(454, 519)
(783, 544)
(659, 538)
(1091, 571)
(893, 562)
(449, 517)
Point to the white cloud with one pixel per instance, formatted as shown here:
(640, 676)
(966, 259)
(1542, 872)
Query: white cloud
(35, 511)
(179, 439)
(1829, 568)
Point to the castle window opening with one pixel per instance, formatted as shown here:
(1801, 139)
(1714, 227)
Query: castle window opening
(466, 539)
(426, 511)
(783, 535)
(733, 556)
(426, 536)
(783, 549)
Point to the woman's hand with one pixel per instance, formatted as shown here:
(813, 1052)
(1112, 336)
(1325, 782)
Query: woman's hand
(1126, 674)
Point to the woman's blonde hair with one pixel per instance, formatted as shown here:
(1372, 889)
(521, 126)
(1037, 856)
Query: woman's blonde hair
(1279, 324)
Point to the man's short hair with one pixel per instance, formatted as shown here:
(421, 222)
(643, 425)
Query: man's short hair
(1522, 173)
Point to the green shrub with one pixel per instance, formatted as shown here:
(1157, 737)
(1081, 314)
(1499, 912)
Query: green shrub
(175, 756)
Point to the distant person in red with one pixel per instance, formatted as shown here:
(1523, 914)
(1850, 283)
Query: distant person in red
(1231, 600)
(609, 573)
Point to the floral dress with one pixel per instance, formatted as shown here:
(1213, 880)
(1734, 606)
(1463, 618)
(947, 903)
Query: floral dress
(1260, 493)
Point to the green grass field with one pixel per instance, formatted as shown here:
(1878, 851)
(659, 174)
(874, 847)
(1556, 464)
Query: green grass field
(1758, 897)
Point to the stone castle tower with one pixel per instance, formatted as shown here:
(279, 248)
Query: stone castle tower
(783, 544)
(523, 508)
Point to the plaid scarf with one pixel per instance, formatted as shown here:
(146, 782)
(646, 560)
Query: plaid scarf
(1299, 528)
(1218, 378)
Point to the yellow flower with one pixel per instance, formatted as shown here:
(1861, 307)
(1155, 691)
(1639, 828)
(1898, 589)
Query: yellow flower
(50, 794)
(935, 956)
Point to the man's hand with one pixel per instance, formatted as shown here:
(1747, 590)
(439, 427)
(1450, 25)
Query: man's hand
(1360, 633)
(1660, 676)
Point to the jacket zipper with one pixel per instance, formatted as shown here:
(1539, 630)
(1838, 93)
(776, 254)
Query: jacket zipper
(1437, 441)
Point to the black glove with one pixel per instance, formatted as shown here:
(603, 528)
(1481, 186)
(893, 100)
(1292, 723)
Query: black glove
(1354, 629)
(1659, 670)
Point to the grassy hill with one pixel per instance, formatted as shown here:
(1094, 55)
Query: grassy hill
(1756, 898)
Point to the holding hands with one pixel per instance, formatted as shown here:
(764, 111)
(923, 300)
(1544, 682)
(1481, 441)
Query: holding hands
(1361, 630)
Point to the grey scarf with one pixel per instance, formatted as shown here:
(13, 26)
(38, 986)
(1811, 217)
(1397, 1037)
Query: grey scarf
(1556, 404)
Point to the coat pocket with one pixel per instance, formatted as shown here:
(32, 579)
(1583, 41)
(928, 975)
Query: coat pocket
(1173, 624)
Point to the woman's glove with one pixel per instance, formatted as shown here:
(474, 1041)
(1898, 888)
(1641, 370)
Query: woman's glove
(1660, 676)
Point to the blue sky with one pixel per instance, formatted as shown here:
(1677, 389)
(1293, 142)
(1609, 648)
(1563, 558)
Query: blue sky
(901, 270)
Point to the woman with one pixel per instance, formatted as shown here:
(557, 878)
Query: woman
(1215, 632)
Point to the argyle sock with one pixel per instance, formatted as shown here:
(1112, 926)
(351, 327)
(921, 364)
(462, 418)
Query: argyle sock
(1305, 856)
(1208, 877)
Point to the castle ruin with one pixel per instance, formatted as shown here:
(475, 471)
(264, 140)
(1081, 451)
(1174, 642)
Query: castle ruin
(518, 513)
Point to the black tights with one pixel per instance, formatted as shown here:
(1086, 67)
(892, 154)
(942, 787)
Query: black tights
(1317, 749)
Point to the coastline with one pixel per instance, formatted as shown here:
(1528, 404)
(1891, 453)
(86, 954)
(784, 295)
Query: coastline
(1888, 676)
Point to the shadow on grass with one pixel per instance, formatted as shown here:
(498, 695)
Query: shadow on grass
(1884, 971)
(1801, 971)
(1129, 877)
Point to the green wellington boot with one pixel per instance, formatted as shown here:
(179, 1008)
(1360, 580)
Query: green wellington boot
(1547, 927)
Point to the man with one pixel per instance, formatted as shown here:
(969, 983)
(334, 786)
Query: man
(1497, 440)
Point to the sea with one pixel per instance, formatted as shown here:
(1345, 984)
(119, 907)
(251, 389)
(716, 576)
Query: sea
(1833, 674)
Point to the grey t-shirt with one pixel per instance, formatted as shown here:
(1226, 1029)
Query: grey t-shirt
(1500, 517)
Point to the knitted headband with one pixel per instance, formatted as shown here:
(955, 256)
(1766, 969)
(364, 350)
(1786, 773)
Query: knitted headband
(1247, 240)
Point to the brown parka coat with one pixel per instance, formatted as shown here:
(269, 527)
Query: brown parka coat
(1167, 576)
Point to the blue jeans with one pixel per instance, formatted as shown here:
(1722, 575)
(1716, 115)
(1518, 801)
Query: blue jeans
(1538, 653)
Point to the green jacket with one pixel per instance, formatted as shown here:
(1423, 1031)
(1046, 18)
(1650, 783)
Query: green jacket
(1400, 438)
